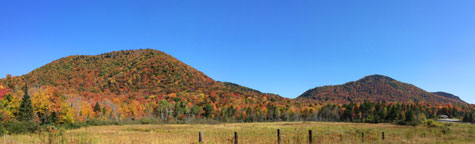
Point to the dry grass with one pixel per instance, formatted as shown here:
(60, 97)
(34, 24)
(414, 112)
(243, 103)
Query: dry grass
(258, 133)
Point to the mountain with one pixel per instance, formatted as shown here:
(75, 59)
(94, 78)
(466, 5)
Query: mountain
(448, 95)
(131, 74)
(147, 71)
(132, 85)
(376, 88)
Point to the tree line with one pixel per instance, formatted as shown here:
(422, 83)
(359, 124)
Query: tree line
(49, 107)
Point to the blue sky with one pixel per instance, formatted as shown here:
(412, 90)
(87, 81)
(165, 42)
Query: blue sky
(282, 47)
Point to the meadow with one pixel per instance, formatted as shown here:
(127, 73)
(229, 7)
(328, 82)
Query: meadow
(258, 133)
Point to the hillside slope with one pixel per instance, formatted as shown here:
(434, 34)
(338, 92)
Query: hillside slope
(148, 71)
(448, 95)
(132, 74)
(375, 88)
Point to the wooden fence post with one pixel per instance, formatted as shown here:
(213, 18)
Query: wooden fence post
(200, 139)
(362, 136)
(235, 138)
(383, 135)
(310, 136)
(278, 136)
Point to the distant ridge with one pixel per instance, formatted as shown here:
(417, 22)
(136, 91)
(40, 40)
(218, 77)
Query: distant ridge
(448, 95)
(377, 88)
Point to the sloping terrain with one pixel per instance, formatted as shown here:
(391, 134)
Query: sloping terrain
(135, 75)
(376, 88)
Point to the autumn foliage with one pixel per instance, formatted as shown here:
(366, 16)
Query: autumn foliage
(151, 85)
(377, 88)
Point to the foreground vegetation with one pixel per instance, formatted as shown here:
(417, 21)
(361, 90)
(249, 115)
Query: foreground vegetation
(291, 132)
(33, 116)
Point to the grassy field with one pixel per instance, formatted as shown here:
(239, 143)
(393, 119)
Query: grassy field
(291, 132)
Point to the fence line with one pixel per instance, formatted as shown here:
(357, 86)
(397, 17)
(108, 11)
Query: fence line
(310, 137)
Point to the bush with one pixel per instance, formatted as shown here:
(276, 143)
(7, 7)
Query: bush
(17, 127)
(445, 130)
(95, 122)
(99, 122)
(431, 123)
(146, 121)
(3, 130)
(71, 125)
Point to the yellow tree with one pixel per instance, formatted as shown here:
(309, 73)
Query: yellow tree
(41, 105)
(136, 109)
(86, 111)
(66, 115)
(15, 103)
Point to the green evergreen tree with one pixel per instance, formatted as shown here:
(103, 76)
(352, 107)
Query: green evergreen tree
(410, 118)
(97, 108)
(104, 110)
(465, 117)
(410, 115)
(470, 118)
(26, 109)
(53, 118)
(208, 110)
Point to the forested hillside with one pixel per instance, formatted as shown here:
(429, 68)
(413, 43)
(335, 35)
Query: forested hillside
(140, 71)
(133, 84)
(377, 88)
(150, 86)
(448, 95)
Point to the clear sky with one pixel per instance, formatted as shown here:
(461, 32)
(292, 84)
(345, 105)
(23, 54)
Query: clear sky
(282, 47)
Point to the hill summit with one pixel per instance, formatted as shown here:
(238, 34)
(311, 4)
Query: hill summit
(145, 70)
(447, 95)
(376, 88)
(132, 74)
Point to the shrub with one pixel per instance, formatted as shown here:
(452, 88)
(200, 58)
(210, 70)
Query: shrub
(445, 130)
(146, 121)
(95, 122)
(3, 130)
(431, 123)
(17, 127)
(89, 122)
